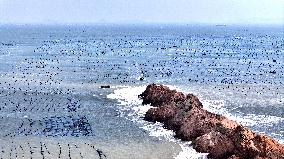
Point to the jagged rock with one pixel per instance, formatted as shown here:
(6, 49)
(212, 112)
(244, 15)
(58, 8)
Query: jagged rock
(218, 145)
(160, 114)
(158, 96)
(254, 145)
(211, 133)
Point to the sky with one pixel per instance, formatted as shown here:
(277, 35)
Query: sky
(142, 11)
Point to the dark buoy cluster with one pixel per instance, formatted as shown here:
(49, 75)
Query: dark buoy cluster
(55, 126)
(222, 59)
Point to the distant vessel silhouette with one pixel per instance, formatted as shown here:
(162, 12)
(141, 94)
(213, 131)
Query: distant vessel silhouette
(220, 25)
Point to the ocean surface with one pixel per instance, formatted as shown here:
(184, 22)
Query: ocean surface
(52, 104)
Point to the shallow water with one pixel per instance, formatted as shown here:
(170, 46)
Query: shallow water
(50, 78)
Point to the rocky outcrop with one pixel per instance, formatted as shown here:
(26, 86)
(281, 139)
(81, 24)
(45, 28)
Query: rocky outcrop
(210, 133)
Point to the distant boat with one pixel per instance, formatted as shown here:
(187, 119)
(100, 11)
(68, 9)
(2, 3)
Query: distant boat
(220, 25)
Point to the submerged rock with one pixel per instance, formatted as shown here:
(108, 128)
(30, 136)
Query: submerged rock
(211, 133)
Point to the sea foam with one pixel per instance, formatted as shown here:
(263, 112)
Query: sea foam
(131, 108)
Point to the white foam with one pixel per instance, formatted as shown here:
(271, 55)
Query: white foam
(218, 107)
(189, 153)
(131, 108)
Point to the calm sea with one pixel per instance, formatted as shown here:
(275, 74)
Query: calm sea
(52, 104)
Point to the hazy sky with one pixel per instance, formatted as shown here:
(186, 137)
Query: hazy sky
(142, 11)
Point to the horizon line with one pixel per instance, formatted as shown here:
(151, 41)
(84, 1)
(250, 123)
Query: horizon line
(144, 23)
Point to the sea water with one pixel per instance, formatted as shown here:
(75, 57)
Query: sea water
(52, 104)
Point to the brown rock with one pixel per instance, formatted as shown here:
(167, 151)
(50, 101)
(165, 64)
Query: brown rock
(195, 123)
(160, 114)
(157, 95)
(234, 157)
(268, 147)
(210, 133)
(243, 139)
(218, 145)
(193, 101)
(198, 122)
